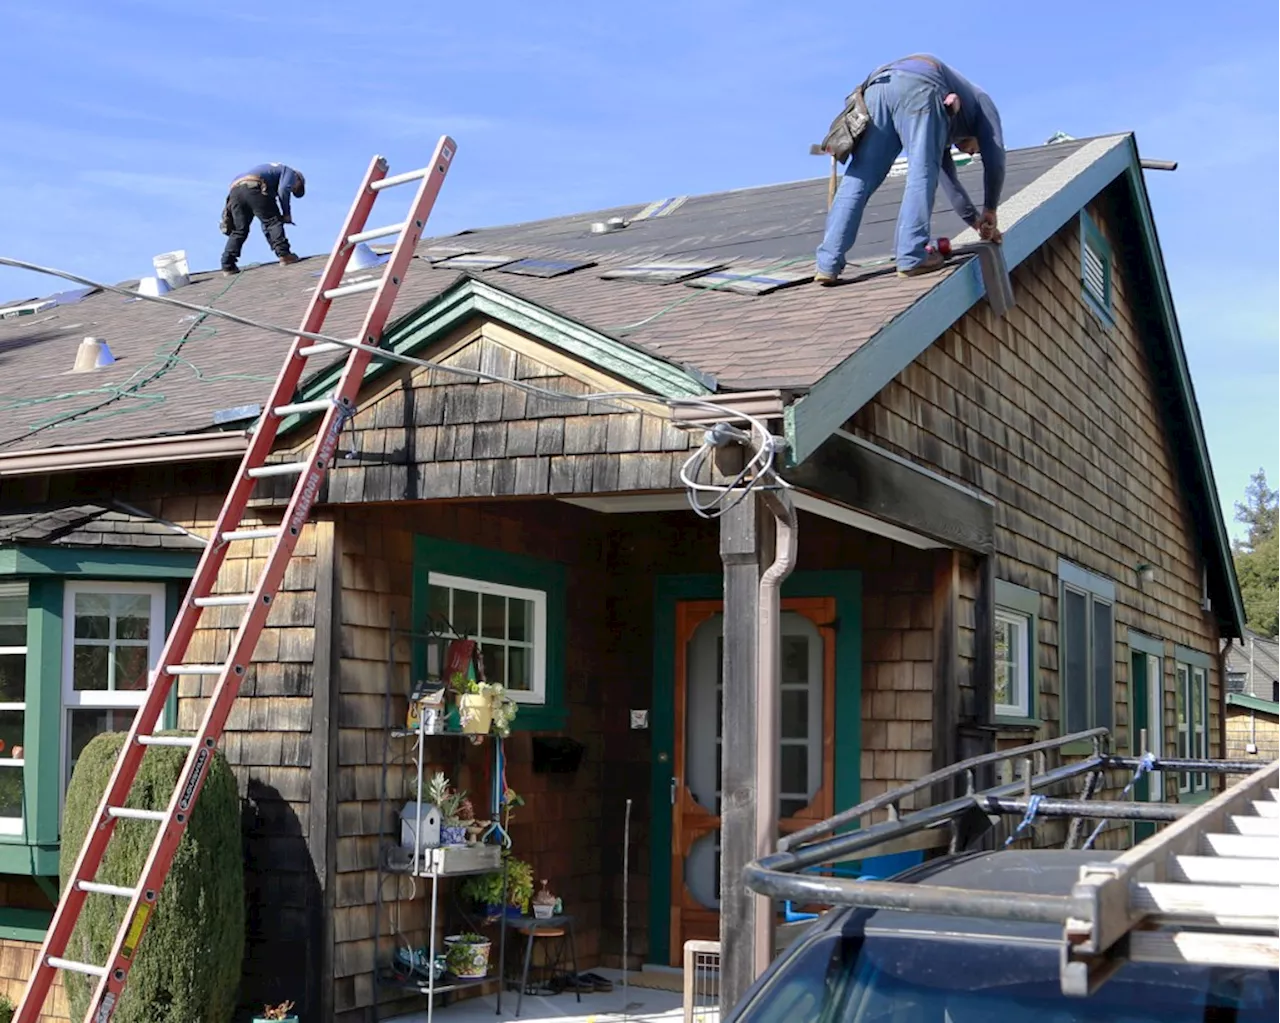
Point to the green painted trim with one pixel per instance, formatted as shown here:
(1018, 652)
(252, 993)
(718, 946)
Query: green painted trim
(452, 558)
(1253, 703)
(470, 298)
(846, 588)
(1196, 798)
(1083, 579)
(1143, 643)
(24, 924)
(1023, 601)
(1193, 657)
(44, 709)
(32, 860)
(174, 592)
(120, 565)
(1091, 237)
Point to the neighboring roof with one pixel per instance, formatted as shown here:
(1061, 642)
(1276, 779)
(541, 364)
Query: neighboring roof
(92, 526)
(1257, 659)
(1253, 703)
(834, 348)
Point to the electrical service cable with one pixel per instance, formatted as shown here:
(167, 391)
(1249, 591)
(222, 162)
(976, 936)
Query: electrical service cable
(758, 471)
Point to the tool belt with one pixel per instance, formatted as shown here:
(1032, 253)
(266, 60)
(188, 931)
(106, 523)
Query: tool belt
(250, 179)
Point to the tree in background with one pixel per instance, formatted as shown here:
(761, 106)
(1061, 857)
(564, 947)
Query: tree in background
(188, 967)
(1257, 556)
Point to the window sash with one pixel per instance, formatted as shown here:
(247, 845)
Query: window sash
(1019, 645)
(109, 698)
(536, 645)
(1086, 639)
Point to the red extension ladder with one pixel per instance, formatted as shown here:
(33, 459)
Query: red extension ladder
(336, 408)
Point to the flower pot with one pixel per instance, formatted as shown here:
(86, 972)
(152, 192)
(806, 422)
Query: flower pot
(467, 960)
(476, 713)
(492, 912)
(451, 834)
(283, 1019)
(544, 911)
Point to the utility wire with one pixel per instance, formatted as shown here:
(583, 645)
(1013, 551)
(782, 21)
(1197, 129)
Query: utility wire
(759, 469)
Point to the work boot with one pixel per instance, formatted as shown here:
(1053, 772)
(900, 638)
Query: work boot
(230, 271)
(288, 258)
(826, 280)
(932, 261)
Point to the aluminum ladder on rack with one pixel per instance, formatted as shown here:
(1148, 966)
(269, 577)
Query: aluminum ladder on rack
(1205, 890)
(335, 409)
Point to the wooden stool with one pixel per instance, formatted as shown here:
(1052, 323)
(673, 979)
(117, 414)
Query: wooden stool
(552, 927)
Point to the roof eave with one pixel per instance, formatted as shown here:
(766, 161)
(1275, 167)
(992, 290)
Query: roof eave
(112, 454)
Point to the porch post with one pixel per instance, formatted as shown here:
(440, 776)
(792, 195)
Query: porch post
(746, 544)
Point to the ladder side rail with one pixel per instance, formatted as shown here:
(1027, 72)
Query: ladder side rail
(195, 769)
(1103, 911)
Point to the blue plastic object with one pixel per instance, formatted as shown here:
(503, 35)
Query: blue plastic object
(877, 868)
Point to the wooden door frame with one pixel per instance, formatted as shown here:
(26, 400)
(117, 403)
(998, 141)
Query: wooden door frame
(846, 588)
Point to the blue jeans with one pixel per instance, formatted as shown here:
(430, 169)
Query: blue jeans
(906, 114)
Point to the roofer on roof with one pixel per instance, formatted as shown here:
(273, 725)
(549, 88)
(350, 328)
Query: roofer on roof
(254, 194)
(921, 106)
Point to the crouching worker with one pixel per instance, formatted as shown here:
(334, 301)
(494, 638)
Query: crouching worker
(920, 106)
(256, 194)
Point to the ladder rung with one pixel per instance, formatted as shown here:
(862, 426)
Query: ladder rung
(325, 347)
(130, 814)
(1204, 948)
(1223, 870)
(400, 179)
(1263, 826)
(353, 289)
(1244, 846)
(1266, 808)
(298, 407)
(107, 889)
(196, 669)
(224, 600)
(1236, 907)
(278, 469)
(167, 740)
(376, 232)
(250, 534)
(75, 967)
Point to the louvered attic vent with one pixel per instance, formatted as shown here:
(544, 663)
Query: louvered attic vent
(1095, 267)
(660, 273)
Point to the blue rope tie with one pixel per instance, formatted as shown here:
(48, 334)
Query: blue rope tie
(1146, 762)
(1033, 807)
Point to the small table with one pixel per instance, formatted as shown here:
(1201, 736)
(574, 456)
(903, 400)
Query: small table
(550, 927)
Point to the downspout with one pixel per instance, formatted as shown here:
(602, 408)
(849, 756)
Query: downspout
(768, 707)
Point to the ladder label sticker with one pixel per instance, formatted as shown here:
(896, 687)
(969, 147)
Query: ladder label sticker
(135, 932)
(189, 791)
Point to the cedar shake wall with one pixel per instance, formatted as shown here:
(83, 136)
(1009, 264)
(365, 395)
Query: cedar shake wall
(18, 958)
(1057, 417)
(1264, 731)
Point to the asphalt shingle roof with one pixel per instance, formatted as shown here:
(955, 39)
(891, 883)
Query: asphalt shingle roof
(92, 525)
(172, 372)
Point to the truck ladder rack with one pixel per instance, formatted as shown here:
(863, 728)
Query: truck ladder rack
(1203, 890)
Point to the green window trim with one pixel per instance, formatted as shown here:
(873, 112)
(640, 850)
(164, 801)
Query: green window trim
(1098, 592)
(1024, 603)
(1096, 269)
(35, 850)
(1192, 786)
(24, 924)
(432, 554)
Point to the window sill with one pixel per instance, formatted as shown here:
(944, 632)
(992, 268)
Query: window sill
(1006, 722)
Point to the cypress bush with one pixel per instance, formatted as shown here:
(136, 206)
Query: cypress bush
(187, 969)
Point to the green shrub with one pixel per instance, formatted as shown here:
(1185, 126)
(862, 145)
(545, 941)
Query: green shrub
(7, 1009)
(188, 967)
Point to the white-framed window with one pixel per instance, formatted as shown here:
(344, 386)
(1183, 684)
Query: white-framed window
(1013, 663)
(13, 703)
(1192, 702)
(510, 624)
(112, 636)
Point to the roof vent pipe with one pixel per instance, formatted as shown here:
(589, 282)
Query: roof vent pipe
(171, 267)
(92, 354)
(364, 258)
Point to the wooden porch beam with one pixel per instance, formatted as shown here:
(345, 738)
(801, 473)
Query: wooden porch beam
(876, 482)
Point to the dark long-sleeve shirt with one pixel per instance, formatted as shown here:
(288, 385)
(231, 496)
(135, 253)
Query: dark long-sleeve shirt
(279, 179)
(979, 119)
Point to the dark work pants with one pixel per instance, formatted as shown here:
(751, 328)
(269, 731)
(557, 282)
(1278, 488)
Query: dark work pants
(244, 203)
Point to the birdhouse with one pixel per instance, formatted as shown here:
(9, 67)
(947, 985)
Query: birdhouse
(411, 826)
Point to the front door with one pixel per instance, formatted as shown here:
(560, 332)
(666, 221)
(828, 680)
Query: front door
(1147, 716)
(806, 756)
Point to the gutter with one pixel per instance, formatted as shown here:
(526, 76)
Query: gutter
(142, 451)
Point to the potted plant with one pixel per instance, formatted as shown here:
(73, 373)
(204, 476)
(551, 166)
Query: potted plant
(283, 1011)
(467, 955)
(486, 889)
(544, 903)
(475, 710)
(455, 809)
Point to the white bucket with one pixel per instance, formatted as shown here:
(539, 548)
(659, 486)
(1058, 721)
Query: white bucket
(153, 286)
(171, 267)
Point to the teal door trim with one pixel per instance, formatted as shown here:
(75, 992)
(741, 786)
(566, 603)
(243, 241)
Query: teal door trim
(846, 588)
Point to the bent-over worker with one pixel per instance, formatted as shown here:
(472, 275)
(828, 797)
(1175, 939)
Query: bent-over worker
(921, 106)
(255, 194)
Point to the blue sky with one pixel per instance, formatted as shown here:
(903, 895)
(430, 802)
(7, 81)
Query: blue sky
(124, 122)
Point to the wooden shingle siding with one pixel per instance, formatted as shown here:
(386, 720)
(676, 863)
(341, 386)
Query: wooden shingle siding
(1056, 416)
